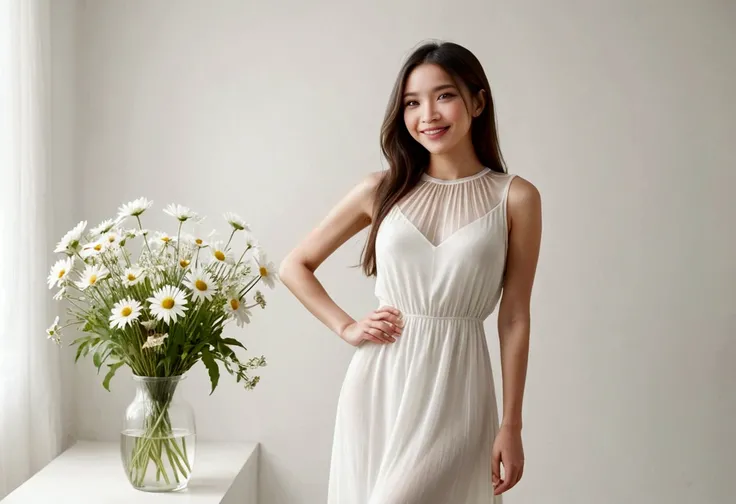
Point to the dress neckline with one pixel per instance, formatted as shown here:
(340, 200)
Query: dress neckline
(426, 176)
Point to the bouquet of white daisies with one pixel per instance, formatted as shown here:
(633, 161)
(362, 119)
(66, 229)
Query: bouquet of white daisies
(159, 314)
(165, 311)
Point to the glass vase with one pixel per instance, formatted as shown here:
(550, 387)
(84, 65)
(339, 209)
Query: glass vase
(157, 442)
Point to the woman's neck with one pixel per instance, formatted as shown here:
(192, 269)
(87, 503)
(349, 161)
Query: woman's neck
(461, 162)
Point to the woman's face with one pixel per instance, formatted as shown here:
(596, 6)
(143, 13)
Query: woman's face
(434, 111)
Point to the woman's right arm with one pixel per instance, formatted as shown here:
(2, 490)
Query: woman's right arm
(349, 216)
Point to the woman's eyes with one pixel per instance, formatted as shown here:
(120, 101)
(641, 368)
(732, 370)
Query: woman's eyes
(411, 103)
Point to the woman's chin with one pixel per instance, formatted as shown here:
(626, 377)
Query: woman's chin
(438, 148)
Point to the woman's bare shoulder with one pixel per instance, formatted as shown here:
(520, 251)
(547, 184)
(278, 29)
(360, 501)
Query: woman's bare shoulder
(373, 179)
(523, 193)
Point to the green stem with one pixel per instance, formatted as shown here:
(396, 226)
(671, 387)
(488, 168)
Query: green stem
(158, 442)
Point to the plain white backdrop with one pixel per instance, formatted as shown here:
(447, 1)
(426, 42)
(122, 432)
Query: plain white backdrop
(621, 113)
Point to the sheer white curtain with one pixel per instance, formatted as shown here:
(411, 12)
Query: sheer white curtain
(30, 380)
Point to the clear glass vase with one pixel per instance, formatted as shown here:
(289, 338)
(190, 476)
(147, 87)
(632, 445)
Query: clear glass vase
(157, 442)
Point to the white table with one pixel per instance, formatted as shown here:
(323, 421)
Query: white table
(92, 472)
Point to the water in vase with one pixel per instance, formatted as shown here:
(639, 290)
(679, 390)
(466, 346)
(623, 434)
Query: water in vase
(158, 464)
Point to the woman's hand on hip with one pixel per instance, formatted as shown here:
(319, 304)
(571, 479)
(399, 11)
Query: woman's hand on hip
(381, 326)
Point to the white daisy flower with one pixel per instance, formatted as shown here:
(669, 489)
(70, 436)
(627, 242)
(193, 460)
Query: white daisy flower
(163, 239)
(91, 275)
(54, 331)
(197, 241)
(266, 269)
(236, 308)
(201, 283)
(220, 254)
(148, 324)
(182, 213)
(132, 232)
(258, 298)
(103, 227)
(168, 303)
(124, 312)
(69, 243)
(155, 341)
(60, 294)
(111, 238)
(236, 222)
(92, 249)
(133, 209)
(251, 243)
(59, 272)
(132, 276)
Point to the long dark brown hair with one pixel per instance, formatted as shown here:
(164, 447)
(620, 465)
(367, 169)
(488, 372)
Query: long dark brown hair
(407, 158)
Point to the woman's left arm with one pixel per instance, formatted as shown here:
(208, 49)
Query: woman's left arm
(524, 217)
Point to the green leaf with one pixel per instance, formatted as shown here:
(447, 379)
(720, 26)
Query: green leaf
(225, 351)
(233, 342)
(82, 346)
(111, 373)
(106, 354)
(172, 350)
(197, 349)
(79, 340)
(212, 367)
(97, 360)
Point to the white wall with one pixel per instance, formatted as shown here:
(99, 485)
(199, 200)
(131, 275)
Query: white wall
(620, 112)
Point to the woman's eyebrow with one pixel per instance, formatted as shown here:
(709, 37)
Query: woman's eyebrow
(435, 90)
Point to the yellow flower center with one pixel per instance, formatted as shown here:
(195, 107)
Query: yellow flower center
(200, 285)
(199, 241)
(131, 277)
(168, 303)
(126, 311)
(98, 247)
(62, 273)
(165, 239)
(264, 271)
(92, 279)
(219, 255)
(111, 238)
(184, 263)
(234, 304)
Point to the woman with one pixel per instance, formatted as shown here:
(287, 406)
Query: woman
(417, 418)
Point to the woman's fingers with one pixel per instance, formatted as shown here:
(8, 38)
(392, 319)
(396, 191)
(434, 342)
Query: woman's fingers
(496, 469)
(389, 309)
(380, 335)
(512, 475)
(370, 337)
(392, 316)
(387, 322)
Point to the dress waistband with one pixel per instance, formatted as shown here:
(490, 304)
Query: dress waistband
(436, 317)
(384, 302)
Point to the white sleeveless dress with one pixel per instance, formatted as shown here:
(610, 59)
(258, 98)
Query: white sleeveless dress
(416, 419)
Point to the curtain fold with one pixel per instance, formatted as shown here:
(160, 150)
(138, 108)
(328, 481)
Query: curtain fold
(30, 373)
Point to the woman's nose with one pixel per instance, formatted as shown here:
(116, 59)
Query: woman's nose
(429, 114)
